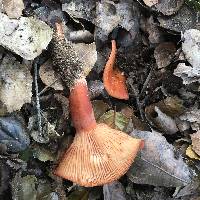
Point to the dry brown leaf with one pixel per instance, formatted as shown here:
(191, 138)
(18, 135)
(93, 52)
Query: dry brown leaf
(164, 53)
(13, 8)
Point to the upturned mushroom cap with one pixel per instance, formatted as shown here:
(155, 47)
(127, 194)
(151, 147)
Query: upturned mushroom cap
(113, 79)
(98, 156)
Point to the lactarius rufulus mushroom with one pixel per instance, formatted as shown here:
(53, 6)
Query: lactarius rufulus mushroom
(98, 154)
(113, 79)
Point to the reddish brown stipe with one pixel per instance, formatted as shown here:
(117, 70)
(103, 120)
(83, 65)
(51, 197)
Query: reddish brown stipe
(113, 79)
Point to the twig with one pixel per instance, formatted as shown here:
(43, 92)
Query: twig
(137, 100)
(37, 98)
(146, 82)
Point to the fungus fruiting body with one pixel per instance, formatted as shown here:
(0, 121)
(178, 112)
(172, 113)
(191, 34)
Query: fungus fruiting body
(98, 154)
(114, 80)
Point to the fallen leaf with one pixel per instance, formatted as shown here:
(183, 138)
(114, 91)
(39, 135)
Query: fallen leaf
(196, 142)
(192, 115)
(183, 20)
(43, 154)
(79, 195)
(150, 2)
(114, 191)
(191, 154)
(15, 84)
(115, 120)
(157, 164)
(13, 8)
(99, 107)
(26, 37)
(13, 134)
(164, 53)
(168, 7)
(190, 47)
(49, 77)
(24, 187)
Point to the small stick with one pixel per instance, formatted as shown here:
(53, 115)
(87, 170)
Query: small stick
(37, 99)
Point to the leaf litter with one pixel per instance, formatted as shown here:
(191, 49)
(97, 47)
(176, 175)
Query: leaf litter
(158, 48)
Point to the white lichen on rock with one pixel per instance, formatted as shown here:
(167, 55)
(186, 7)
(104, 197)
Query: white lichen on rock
(26, 37)
(15, 84)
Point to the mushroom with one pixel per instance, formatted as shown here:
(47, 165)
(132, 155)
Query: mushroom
(98, 154)
(113, 79)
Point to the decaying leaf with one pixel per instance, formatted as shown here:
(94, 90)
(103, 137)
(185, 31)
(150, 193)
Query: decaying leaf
(13, 8)
(110, 15)
(157, 164)
(150, 2)
(79, 195)
(15, 84)
(80, 9)
(164, 122)
(192, 115)
(190, 47)
(43, 154)
(48, 129)
(114, 191)
(49, 77)
(24, 187)
(100, 107)
(184, 19)
(152, 28)
(26, 37)
(115, 120)
(191, 154)
(13, 134)
(168, 7)
(196, 142)
(164, 53)
(4, 177)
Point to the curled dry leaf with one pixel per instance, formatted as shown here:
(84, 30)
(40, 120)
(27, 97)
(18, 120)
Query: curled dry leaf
(164, 53)
(26, 37)
(15, 84)
(157, 164)
(13, 8)
(99, 107)
(191, 154)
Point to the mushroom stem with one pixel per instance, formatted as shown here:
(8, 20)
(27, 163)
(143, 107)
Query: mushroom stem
(80, 106)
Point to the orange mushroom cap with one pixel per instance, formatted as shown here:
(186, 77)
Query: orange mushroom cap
(98, 156)
(113, 79)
